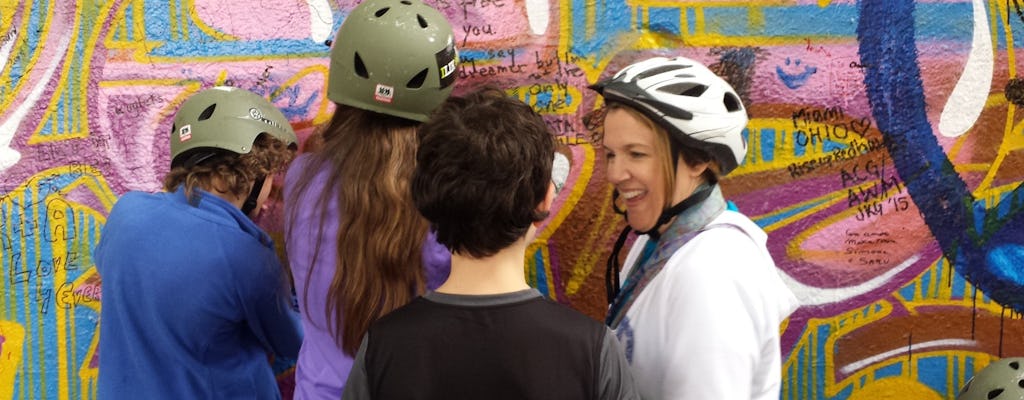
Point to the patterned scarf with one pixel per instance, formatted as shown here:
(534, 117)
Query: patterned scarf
(686, 226)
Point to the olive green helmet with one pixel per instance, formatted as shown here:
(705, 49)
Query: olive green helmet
(224, 118)
(395, 57)
(1000, 380)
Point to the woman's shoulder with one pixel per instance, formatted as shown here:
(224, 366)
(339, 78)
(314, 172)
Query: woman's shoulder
(740, 223)
(729, 243)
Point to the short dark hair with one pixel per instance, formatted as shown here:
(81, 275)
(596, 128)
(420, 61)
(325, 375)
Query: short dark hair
(483, 166)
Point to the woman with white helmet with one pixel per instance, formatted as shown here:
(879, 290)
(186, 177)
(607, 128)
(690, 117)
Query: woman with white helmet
(699, 303)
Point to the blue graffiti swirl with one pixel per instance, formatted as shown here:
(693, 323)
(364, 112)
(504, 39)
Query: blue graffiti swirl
(986, 245)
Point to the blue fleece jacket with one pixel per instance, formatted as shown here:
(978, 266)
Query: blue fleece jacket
(193, 301)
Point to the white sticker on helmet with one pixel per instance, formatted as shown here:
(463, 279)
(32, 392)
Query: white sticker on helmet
(185, 133)
(384, 93)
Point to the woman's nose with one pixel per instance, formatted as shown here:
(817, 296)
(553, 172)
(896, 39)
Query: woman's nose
(615, 173)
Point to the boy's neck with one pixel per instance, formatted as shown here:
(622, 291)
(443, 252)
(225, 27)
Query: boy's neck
(500, 273)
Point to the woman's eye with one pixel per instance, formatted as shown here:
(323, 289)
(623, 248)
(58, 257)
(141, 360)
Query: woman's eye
(637, 155)
(609, 155)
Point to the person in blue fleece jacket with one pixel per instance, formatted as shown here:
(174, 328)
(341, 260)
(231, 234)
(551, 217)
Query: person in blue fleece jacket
(194, 298)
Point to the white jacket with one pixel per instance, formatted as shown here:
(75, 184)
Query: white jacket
(707, 326)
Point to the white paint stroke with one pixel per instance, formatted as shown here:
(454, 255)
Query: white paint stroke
(816, 296)
(8, 156)
(968, 99)
(538, 12)
(5, 50)
(320, 20)
(858, 365)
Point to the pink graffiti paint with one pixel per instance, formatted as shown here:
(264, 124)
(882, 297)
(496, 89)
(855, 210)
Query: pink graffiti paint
(256, 21)
(854, 251)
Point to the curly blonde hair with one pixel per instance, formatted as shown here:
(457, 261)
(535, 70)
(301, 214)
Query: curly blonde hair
(235, 171)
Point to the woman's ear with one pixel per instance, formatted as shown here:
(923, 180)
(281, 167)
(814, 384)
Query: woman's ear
(693, 172)
(699, 169)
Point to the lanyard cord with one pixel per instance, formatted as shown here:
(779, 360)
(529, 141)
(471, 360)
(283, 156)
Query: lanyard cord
(640, 276)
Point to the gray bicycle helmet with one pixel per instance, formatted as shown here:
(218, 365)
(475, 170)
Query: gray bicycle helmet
(395, 57)
(224, 118)
(698, 108)
(1000, 380)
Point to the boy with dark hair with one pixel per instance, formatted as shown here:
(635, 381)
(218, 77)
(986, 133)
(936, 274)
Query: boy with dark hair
(483, 180)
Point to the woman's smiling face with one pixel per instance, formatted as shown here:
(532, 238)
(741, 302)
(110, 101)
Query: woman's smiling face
(638, 166)
(634, 167)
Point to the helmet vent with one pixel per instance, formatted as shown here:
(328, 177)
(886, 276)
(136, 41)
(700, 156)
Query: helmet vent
(417, 81)
(685, 89)
(381, 12)
(1020, 383)
(361, 68)
(731, 102)
(423, 22)
(994, 393)
(1015, 365)
(659, 70)
(208, 112)
(406, 2)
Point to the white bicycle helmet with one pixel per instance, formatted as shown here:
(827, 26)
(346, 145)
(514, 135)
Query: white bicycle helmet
(698, 108)
(1000, 380)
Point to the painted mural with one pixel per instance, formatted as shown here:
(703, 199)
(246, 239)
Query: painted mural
(884, 158)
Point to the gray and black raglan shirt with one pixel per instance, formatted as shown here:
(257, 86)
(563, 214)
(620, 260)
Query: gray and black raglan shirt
(517, 345)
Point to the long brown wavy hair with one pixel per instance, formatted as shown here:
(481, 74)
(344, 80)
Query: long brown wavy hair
(371, 158)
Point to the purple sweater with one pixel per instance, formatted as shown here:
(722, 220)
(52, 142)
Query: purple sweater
(322, 367)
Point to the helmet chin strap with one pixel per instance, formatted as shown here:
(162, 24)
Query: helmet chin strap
(254, 195)
(698, 195)
(611, 277)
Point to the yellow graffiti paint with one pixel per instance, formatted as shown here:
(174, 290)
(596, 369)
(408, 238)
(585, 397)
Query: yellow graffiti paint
(591, 68)
(793, 248)
(586, 168)
(822, 203)
(13, 335)
(137, 42)
(50, 114)
(69, 226)
(864, 383)
(88, 375)
(898, 388)
(580, 271)
(190, 5)
(806, 354)
(582, 268)
(22, 47)
(1000, 10)
(72, 89)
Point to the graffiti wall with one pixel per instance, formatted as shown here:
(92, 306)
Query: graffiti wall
(884, 158)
